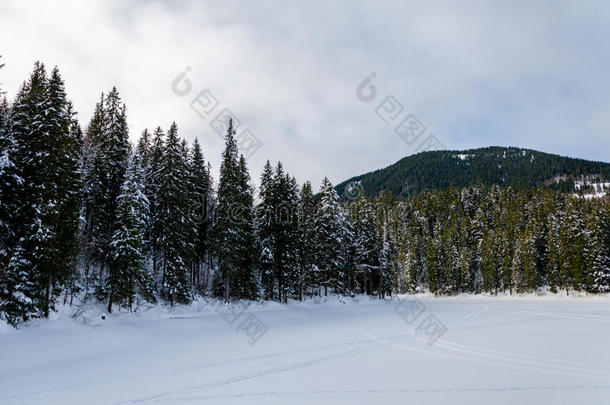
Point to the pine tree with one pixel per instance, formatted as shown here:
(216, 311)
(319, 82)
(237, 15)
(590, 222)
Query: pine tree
(154, 227)
(530, 257)
(517, 272)
(8, 182)
(452, 258)
(245, 285)
(331, 224)
(108, 140)
(91, 229)
(571, 246)
(144, 148)
(127, 260)
(387, 258)
(200, 184)
(44, 218)
(597, 253)
(286, 229)
(70, 191)
(265, 236)
(210, 213)
(229, 214)
(279, 227)
(113, 153)
(553, 264)
(434, 260)
(175, 241)
(306, 240)
(366, 243)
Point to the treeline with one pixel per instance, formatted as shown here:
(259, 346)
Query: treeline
(89, 214)
(492, 239)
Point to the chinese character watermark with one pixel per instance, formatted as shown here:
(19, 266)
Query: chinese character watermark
(392, 113)
(249, 324)
(205, 105)
(430, 327)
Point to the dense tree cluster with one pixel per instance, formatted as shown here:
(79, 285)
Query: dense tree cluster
(492, 239)
(40, 195)
(97, 216)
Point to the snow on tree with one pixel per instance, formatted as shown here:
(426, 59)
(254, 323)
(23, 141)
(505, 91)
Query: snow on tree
(173, 204)
(387, 260)
(265, 237)
(366, 244)
(154, 227)
(233, 214)
(46, 197)
(128, 273)
(331, 239)
(245, 285)
(108, 138)
(306, 241)
(199, 207)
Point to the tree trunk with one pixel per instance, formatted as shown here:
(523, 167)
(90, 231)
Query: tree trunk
(47, 297)
(154, 254)
(110, 301)
(227, 288)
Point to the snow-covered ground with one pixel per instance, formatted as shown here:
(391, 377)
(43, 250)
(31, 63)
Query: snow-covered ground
(496, 350)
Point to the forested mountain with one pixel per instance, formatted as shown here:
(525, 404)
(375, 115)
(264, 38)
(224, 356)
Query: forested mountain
(506, 166)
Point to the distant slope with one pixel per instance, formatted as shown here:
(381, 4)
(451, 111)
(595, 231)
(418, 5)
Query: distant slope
(437, 170)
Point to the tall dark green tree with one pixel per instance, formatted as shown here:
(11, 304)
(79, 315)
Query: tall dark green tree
(306, 241)
(127, 272)
(265, 235)
(173, 204)
(229, 215)
(366, 244)
(331, 225)
(154, 227)
(46, 199)
(199, 207)
(108, 140)
(245, 285)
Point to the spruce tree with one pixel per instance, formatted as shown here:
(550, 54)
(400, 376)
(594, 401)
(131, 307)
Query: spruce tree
(154, 228)
(46, 199)
(108, 140)
(8, 182)
(245, 285)
(200, 184)
(331, 224)
(597, 252)
(366, 243)
(571, 246)
(306, 240)
(265, 236)
(127, 269)
(387, 258)
(229, 214)
(93, 194)
(175, 241)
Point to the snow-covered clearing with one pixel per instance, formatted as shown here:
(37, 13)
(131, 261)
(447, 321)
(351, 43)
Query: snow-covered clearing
(496, 350)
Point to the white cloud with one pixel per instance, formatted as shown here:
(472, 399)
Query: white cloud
(476, 73)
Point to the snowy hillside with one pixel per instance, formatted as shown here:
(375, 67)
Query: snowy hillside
(494, 350)
(591, 187)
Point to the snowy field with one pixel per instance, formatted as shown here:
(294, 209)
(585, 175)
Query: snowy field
(496, 350)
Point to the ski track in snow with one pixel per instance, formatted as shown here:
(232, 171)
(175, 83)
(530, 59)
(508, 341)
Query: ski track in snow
(398, 391)
(475, 340)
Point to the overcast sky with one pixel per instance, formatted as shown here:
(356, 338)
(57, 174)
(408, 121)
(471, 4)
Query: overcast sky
(533, 74)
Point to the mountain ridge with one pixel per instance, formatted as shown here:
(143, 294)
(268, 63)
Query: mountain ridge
(506, 166)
